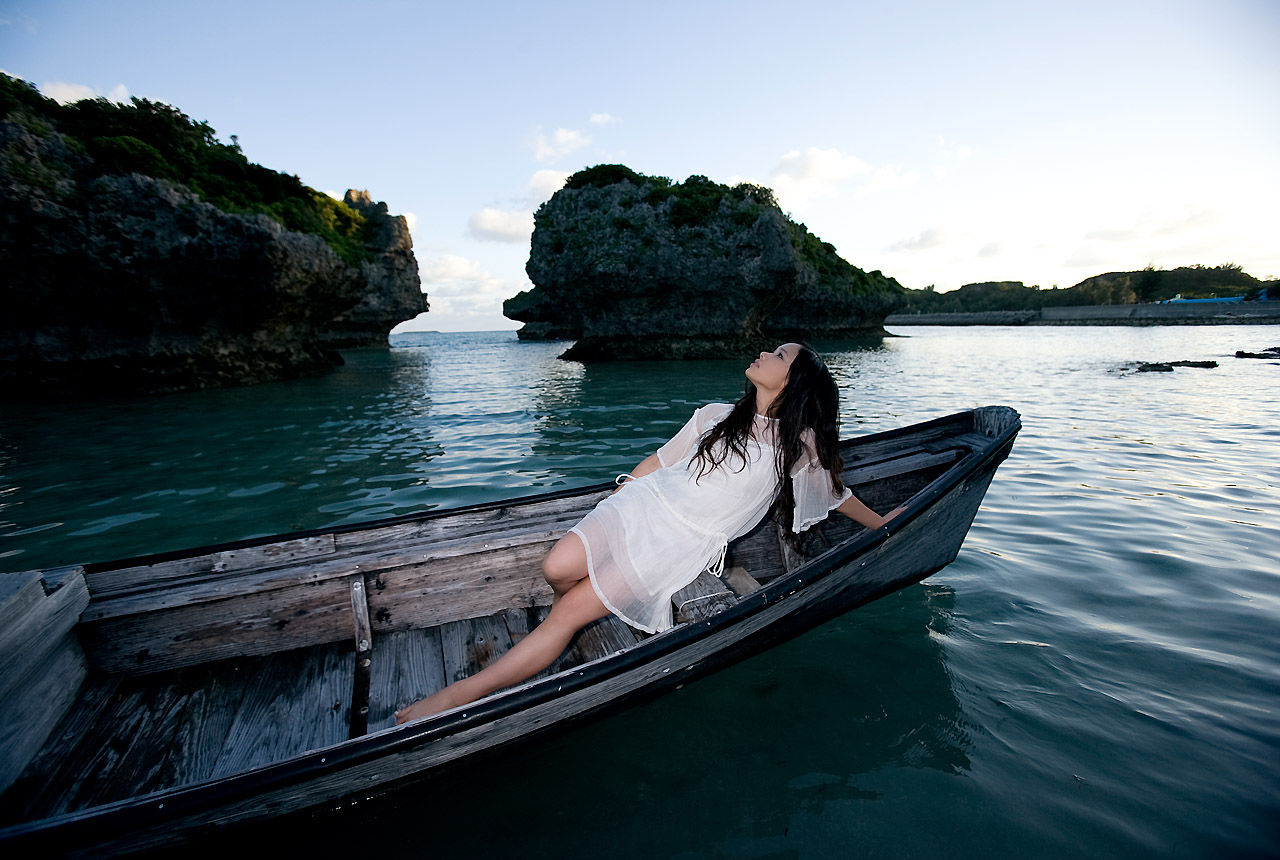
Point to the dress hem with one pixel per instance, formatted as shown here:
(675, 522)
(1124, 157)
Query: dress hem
(595, 586)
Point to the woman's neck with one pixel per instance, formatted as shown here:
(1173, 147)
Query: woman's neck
(764, 402)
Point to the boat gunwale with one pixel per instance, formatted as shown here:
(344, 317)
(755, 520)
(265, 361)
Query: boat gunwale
(139, 811)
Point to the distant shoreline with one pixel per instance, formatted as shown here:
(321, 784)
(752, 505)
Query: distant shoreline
(1224, 313)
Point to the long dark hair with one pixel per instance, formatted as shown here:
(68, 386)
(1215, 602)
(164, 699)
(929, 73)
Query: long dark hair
(809, 400)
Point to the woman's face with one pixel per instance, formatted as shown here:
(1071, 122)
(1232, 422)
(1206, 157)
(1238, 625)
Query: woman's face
(770, 370)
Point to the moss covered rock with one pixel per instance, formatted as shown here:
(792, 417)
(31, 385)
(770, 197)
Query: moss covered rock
(635, 267)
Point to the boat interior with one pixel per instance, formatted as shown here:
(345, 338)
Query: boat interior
(124, 680)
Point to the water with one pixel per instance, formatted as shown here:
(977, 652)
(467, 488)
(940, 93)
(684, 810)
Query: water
(1097, 674)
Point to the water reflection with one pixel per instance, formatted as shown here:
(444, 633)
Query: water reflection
(109, 478)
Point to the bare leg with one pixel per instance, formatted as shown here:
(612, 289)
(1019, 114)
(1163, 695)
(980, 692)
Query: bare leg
(565, 566)
(577, 607)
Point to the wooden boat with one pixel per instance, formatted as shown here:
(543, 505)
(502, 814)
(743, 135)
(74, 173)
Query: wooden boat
(154, 700)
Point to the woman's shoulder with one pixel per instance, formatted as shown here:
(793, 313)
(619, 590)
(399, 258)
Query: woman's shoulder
(711, 414)
(714, 412)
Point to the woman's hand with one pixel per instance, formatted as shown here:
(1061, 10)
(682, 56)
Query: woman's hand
(854, 509)
(893, 513)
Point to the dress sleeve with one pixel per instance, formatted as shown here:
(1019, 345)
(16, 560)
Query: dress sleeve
(682, 444)
(814, 492)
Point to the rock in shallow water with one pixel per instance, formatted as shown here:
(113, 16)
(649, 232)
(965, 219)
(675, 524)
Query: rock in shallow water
(633, 267)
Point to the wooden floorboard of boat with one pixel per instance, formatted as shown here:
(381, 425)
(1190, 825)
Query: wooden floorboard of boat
(407, 665)
(472, 644)
(38, 790)
(217, 693)
(297, 701)
(130, 736)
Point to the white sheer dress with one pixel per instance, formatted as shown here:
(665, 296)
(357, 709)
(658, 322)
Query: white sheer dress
(658, 532)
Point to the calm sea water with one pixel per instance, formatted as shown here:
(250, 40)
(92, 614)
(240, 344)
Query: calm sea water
(1097, 674)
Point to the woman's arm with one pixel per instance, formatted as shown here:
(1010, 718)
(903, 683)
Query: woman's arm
(854, 509)
(647, 465)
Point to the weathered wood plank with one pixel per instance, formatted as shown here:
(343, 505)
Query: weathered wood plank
(148, 576)
(32, 623)
(18, 593)
(740, 581)
(389, 557)
(253, 624)
(33, 706)
(217, 692)
(363, 659)
(500, 520)
(889, 468)
(408, 665)
(293, 702)
(603, 638)
(758, 552)
(445, 590)
(139, 757)
(863, 450)
(702, 598)
(91, 766)
(41, 665)
(991, 421)
(472, 644)
(37, 792)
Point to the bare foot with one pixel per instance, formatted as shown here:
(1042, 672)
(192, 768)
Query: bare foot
(437, 702)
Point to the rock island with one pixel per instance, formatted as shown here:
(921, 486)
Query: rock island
(637, 267)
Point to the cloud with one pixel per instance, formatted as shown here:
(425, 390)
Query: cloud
(64, 93)
(991, 249)
(559, 144)
(602, 119)
(930, 238)
(891, 177)
(410, 220)
(802, 176)
(544, 183)
(496, 225)
(448, 275)
(1152, 224)
(953, 151)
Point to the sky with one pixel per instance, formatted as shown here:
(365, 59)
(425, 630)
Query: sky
(941, 143)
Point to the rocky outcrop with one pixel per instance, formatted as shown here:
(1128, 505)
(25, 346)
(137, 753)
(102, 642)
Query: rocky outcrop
(391, 294)
(129, 282)
(634, 267)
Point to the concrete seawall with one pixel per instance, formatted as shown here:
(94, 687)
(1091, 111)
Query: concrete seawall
(1224, 313)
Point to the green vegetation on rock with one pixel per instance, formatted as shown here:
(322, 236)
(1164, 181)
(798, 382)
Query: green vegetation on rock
(103, 138)
(140, 254)
(636, 266)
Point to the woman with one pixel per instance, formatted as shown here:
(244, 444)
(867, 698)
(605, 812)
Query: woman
(675, 514)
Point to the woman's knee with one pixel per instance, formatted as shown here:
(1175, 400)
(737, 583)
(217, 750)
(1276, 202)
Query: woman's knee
(566, 563)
